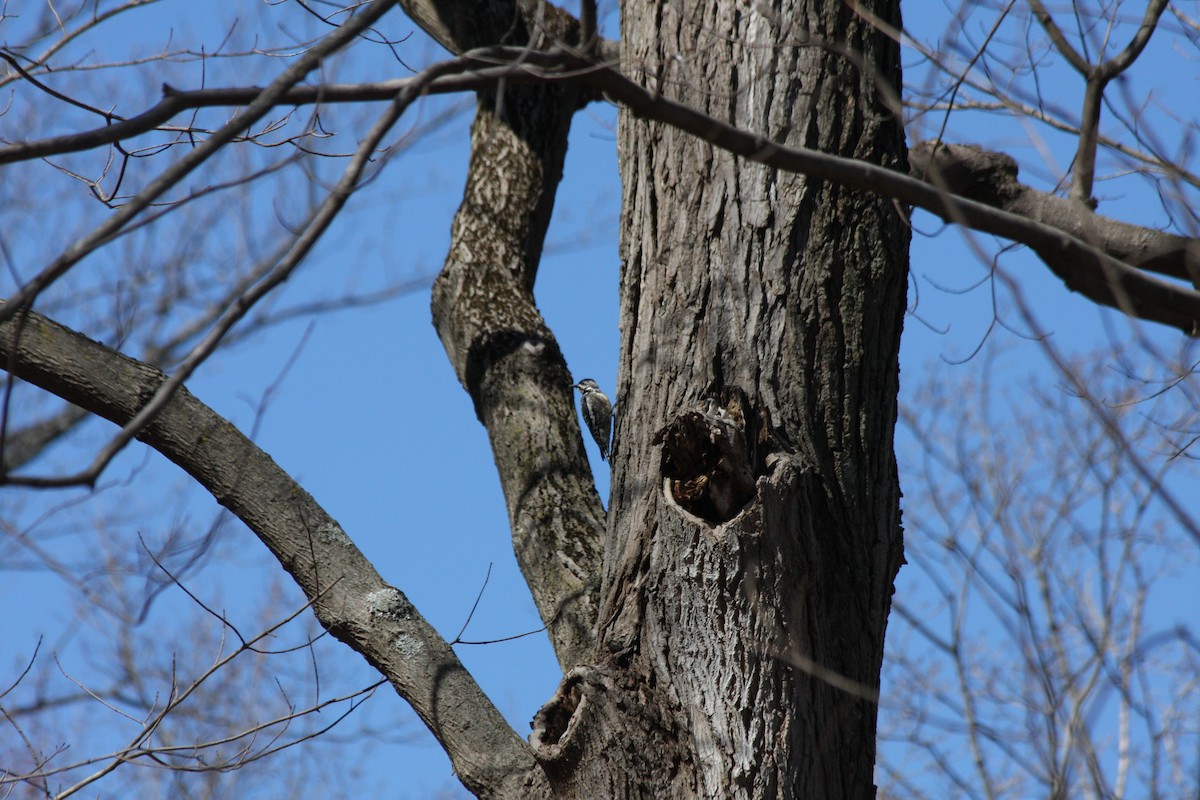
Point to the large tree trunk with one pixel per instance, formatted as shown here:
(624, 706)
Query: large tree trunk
(748, 578)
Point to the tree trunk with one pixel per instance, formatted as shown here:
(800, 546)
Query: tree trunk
(754, 524)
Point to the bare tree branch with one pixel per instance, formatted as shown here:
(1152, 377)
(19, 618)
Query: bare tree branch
(1042, 547)
(485, 74)
(350, 598)
(1092, 255)
(91, 19)
(19, 447)
(1083, 267)
(319, 221)
(267, 99)
(1096, 79)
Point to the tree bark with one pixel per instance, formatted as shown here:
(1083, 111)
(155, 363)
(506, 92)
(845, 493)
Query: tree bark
(502, 351)
(509, 362)
(755, 510)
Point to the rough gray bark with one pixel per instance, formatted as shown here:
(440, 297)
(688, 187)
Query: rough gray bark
(509, 362)
(739, 656)
(502, 351)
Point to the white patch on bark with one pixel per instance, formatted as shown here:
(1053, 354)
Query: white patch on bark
(332, 533)
(407, 645)
(388, 602)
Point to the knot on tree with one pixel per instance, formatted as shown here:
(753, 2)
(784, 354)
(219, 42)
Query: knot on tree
(964, 169)
(708, 464)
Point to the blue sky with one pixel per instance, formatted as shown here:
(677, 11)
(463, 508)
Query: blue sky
(369, 418)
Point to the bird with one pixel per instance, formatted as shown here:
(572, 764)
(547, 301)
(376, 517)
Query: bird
(597, 414)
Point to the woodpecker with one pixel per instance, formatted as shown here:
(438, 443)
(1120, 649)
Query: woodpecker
(597, 413)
